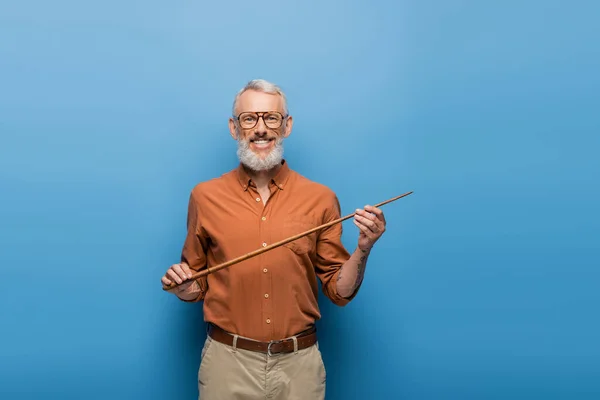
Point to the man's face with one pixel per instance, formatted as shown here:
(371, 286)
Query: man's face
(260, 136)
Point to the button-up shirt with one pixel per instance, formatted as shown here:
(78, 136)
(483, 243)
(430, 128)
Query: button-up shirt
(272, 295)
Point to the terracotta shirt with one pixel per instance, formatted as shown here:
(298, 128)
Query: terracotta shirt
(272, 295)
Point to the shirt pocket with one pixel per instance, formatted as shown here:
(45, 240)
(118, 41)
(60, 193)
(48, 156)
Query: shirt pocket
(296, 224)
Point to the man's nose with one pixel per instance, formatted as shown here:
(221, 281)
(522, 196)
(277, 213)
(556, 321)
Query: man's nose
(260, 129)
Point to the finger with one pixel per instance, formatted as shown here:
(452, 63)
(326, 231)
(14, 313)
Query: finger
(377, 211)
(364, 220)
(166, 281)
(373, 209)
(187, 270)
(174, 276)
(366, 214)
(182, 274)
(364, 229)
(367, 222)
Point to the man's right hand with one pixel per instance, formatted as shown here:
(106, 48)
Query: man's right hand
(178, 273)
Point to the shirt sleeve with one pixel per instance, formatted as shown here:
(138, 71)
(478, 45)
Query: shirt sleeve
(331, 254)
(194, 247)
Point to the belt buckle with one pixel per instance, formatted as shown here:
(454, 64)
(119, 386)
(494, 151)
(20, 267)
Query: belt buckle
(269, 346)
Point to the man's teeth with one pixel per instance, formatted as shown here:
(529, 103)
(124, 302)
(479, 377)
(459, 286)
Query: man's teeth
(261, 141)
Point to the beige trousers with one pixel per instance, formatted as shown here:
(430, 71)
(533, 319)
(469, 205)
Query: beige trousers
(228, 373)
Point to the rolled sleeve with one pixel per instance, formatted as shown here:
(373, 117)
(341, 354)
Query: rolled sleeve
(194, 247)
(331, 254)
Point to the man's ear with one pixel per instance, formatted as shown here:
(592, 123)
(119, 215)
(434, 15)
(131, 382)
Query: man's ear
(232, 129)
(288, 126)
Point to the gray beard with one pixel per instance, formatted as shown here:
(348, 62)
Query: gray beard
(255, 163)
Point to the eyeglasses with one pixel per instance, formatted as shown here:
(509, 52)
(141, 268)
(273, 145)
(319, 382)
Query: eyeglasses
(272, 119)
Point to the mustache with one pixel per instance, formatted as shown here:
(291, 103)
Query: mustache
(263, 137)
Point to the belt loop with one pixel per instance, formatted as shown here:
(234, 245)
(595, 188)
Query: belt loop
(295, 339)
(234, 344)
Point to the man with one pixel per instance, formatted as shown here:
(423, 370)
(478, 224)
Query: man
(261, 313)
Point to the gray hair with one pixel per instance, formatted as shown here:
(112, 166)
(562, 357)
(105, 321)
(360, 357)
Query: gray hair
(264, 86)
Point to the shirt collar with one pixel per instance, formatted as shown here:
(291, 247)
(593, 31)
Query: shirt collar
(280, 179)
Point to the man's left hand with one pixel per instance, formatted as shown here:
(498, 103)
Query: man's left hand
(371, 223)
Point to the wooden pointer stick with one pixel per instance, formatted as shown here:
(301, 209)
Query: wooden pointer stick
(272, 246)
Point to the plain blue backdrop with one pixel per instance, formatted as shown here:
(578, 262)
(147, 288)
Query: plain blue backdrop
(485, 285)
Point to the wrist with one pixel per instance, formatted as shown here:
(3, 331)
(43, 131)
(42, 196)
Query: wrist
(186, 288)
(188, 293)
(192, 287)
(364, 249)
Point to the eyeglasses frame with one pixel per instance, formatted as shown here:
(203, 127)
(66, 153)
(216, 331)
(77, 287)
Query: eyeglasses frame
(260, 115)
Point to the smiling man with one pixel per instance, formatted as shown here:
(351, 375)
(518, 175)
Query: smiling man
(261, 313)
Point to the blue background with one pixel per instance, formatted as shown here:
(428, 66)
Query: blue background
(485, 285)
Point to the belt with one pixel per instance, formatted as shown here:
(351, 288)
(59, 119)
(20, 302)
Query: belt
(305, 339)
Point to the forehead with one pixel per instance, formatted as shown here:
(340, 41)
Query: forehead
(252, 100)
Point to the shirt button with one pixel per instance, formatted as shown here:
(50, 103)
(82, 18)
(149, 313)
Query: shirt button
(264, 218)
(266, 295)
(258, 199)
(264, 245)
(268, 321)
(265, 270)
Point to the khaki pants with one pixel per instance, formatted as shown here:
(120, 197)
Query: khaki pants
(227, 373)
